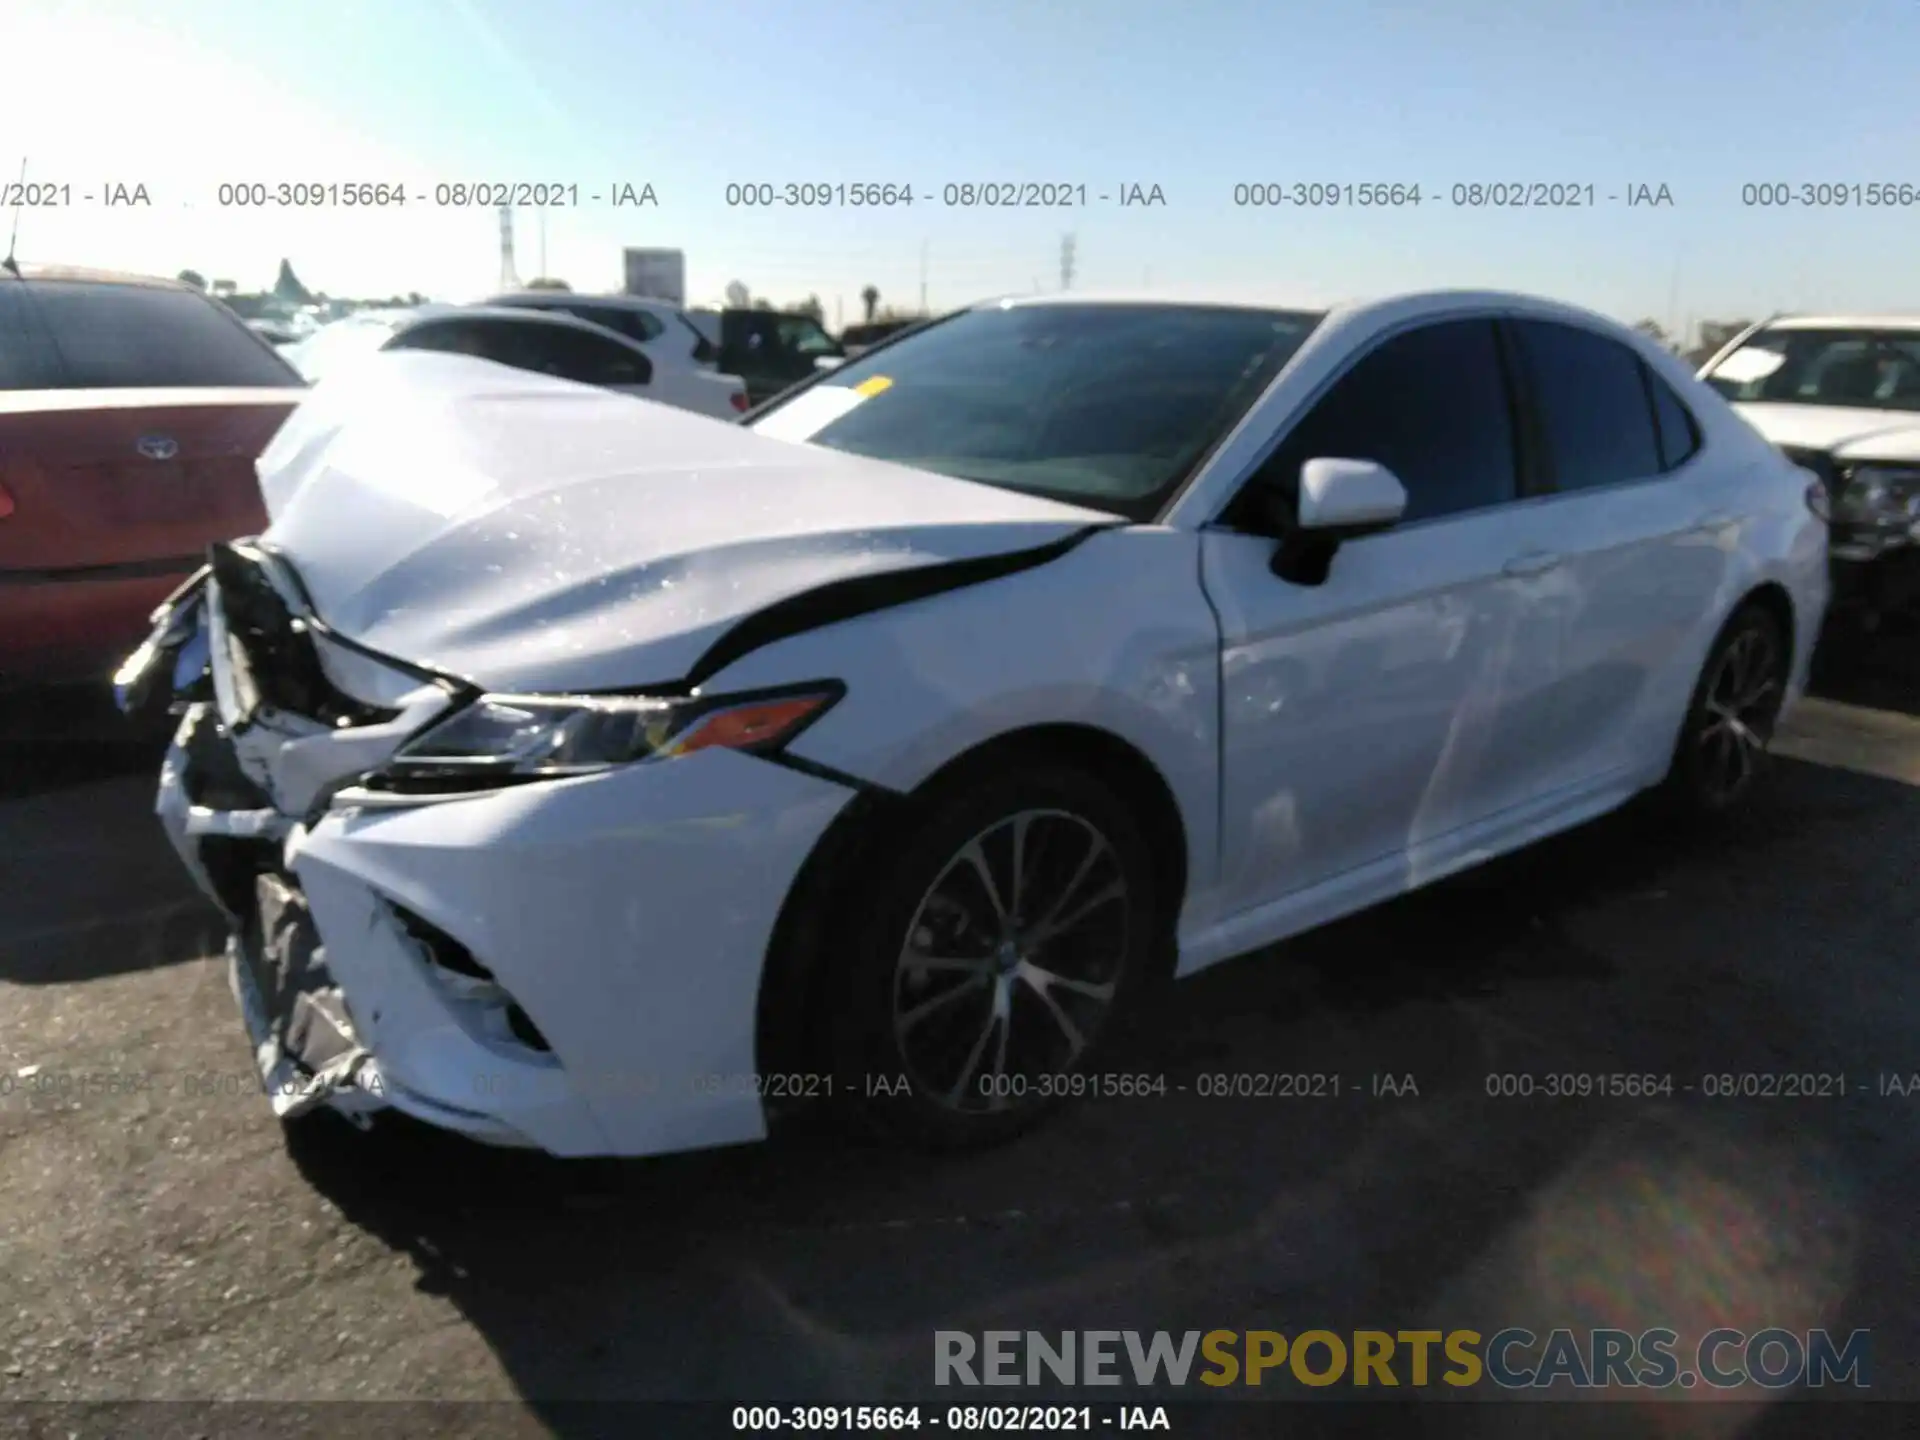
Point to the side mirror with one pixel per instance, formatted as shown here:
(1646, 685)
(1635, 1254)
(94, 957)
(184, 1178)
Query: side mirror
(1347, 498)
(1338, 501)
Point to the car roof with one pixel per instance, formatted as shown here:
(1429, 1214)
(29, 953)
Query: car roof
(85, 275)
(1408, 304)
(520, 298)
(516, 315)
(1909, 321)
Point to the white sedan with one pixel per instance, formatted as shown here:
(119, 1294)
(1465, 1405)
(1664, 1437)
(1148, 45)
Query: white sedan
(606, 779)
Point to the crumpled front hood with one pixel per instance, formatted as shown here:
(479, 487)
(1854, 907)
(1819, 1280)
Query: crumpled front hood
(527, 533)
(1829, 427)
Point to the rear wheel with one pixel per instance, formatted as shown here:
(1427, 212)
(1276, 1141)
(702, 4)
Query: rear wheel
(1729, 724)
(1008, 936)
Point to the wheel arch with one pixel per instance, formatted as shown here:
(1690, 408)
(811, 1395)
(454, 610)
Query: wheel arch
(792, 1019)
(1775, 599)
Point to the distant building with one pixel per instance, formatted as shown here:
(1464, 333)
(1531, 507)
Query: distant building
(656, 274)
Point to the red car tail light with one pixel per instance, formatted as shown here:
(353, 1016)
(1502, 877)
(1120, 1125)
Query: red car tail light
(740, 401)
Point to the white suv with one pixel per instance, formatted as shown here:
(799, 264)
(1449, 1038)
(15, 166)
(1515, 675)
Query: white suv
(662, 329)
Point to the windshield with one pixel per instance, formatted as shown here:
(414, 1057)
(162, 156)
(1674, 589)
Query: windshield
(1862, 369)
(1109, 406)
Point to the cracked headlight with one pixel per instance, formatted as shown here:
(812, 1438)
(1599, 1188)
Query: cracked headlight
(1883, 496)
(499, 739)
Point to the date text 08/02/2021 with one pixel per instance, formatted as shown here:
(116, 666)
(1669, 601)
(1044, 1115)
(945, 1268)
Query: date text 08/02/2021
(960, 1419)
(1071, 1085)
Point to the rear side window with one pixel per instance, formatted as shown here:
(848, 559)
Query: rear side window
(1679, 431)
(1593, 403)
(545, 349)
(27, 357)
(582, 356)
(449, 337)
(119, 337)
(705, 352)
(634, 324)
(627, 320)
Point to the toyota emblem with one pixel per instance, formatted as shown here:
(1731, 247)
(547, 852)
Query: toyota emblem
(158, 447)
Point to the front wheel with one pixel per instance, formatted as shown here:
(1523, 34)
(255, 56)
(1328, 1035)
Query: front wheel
(1729, 724)
(1005, 939)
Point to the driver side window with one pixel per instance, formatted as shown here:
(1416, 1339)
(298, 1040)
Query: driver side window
(1432, 406)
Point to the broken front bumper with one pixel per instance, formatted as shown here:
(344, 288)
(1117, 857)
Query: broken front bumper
(304, 1043)
(572, 964)
(381, 946)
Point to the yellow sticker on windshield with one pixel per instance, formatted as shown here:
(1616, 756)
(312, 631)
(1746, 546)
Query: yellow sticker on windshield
(873, 386)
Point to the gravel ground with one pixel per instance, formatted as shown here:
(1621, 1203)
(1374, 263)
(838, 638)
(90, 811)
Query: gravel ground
(165, 1241)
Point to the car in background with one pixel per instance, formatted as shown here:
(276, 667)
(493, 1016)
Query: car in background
(1841, 396)
(352, 336)
(918, 726)
(559, 344)
(667, 333)
(278, 332)
(772, 350)
(131, 413)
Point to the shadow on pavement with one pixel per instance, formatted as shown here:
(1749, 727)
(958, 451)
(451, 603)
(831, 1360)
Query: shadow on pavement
(91, 886)
(53, 739)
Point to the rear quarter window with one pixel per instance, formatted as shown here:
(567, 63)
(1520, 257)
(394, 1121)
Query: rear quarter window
(1679, 431)
(119, 337)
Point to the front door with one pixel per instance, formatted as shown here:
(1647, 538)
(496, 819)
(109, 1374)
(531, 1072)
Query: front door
(1395, 702)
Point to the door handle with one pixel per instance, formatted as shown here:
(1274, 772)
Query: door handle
(1713, 522)
(1534, 562)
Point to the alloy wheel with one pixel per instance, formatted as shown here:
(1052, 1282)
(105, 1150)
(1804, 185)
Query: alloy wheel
(1738, 710)
(1011, 962)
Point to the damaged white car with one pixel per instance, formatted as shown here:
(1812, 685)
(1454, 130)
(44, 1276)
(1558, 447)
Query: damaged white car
(604, 778)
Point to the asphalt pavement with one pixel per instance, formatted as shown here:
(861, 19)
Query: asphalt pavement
(163, 1240)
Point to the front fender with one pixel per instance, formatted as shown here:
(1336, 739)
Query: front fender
(1114, 634)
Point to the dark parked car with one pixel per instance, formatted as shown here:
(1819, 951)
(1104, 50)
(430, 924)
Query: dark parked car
(772, 350)
(131, 412)
(856, 338)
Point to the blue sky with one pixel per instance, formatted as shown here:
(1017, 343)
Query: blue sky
(1194, 96)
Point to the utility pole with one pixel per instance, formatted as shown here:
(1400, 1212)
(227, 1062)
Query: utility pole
(1066, 263)
(509, 275)
(839, 312)
(923, 277)
(543, 243)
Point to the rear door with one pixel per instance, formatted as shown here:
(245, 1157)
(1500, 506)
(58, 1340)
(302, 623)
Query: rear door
(1642, 527)
(130, 419)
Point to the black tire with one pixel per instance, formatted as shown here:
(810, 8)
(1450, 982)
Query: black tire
(1736, 702)
(899, 1031)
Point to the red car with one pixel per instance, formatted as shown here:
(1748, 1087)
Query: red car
(131, 412)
